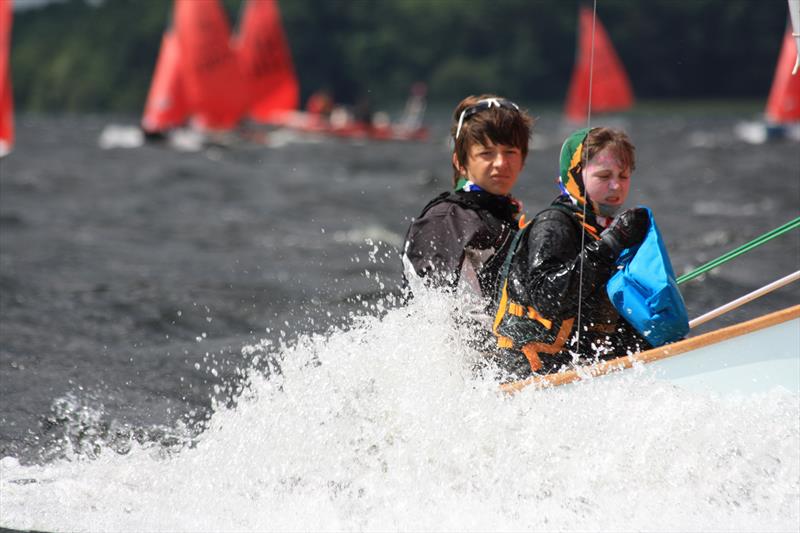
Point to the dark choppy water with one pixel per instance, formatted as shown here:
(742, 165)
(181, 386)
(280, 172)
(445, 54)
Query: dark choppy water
(130, 280)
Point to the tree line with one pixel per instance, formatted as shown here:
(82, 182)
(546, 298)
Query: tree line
(99, 56)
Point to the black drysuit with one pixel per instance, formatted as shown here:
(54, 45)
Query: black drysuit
(462, 232)
(545, 274)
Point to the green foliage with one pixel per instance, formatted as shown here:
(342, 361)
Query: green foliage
(76, 56)
(72, 56)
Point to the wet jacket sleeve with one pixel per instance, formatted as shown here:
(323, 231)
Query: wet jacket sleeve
(436, 241)
(551, 267)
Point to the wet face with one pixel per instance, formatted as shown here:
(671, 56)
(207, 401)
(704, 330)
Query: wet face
(492, 167)
(607, 181)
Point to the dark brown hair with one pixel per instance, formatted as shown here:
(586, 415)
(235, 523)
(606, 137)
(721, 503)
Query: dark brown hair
(600, 138)
(497, 124)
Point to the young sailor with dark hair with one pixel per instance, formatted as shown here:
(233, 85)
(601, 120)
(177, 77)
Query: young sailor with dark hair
(554, 282)
(461, 236)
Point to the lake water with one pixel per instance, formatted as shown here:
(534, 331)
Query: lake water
(147, 295)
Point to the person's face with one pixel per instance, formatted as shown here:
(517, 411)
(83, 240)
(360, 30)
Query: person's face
(606, 180)
(492, 167)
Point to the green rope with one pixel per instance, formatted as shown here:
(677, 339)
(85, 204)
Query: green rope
(740, 250)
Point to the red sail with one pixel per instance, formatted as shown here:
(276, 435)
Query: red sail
(6, 98)
(266, 61)
(211, 74)
(783, 105)
(611, 89)
(166, 105)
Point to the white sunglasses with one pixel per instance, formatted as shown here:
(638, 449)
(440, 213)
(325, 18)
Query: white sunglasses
(482, 105)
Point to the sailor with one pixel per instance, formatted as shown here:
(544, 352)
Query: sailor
(555, 280)
(461, 236)
(320, 103)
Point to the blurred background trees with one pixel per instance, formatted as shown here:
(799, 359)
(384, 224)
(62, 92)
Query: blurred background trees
(84, 56)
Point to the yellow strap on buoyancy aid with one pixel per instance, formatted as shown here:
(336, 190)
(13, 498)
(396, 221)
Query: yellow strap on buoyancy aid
(501, 311)
(508, 306)
(529, 312)
(593, 232)
(533, 349)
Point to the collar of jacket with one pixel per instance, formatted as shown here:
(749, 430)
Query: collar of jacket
(503, 207)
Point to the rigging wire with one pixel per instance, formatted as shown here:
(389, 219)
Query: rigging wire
(584, 162)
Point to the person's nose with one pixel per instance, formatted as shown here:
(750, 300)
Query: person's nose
(500, 160)
(614, 184)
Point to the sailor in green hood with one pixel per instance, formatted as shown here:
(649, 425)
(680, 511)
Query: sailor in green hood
(555, 280)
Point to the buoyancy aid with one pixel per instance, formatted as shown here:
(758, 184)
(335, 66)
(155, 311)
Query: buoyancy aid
(521, 327)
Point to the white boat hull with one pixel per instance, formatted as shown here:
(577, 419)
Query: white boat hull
(754, 362)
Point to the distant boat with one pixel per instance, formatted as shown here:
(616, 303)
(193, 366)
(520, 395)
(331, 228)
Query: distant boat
(340, 123)
(273, 89)
(209, 80)
(211, 75)
(610, 86)
(196, 95)
(198, 89)
(783, 104)
(6, 96)
(166, 107)
(782, 113)
(266, 63)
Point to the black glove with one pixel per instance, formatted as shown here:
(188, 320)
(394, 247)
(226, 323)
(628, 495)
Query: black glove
(628, 229)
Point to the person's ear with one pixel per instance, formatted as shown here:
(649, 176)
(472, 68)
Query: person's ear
(457, 164)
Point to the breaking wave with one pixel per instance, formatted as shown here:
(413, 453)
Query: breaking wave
(383, 426)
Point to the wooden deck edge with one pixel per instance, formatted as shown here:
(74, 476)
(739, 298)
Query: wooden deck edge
(662, 352)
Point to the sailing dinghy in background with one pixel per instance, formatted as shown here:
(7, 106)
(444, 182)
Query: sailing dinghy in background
(207, 82)
(197, 93)
(6, 96)
(610, 87)
(782, 113)
(166, 107)
(340, 123)
(274, 91)
(270, 82)
(214, 85)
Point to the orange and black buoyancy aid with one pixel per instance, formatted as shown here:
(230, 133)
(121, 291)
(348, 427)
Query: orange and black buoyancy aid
(521, 327)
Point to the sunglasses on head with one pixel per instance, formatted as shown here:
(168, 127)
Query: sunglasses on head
(483, 105)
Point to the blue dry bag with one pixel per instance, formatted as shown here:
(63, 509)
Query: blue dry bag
(645, 292)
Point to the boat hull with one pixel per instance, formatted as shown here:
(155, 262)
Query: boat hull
(749, 363)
